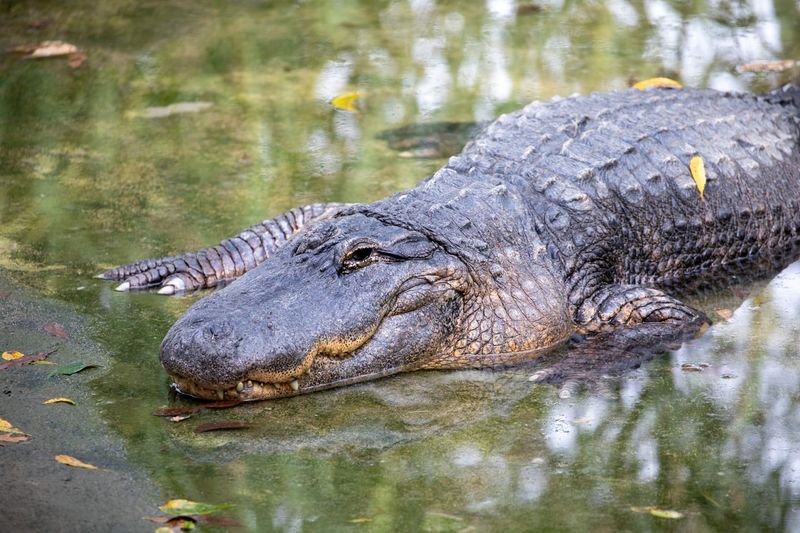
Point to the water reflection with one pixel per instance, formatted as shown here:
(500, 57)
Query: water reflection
(86, 181)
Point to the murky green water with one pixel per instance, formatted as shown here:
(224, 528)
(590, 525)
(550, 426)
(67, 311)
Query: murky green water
(88, 180)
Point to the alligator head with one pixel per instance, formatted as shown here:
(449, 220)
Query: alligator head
(347, 300)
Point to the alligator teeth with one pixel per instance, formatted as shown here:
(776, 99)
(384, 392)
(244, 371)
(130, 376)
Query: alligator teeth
(239, 387)
(220, 395)
(167, 289)
(249, 383)
(122, 287)
(295, 385)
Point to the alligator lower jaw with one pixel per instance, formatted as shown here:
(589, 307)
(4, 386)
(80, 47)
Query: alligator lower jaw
(244, 391)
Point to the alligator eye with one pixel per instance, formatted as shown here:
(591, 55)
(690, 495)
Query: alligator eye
(359, 256)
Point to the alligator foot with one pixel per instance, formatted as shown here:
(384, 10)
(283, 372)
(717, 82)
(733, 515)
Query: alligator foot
(593, 362)
(218, 264)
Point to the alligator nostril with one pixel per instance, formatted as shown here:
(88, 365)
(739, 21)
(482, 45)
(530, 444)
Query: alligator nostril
(218, 330)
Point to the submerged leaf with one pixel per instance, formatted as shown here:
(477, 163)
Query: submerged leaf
(6, 427)
(698, 170)
(661, 83)
(181, 507)
(71, 461)
(191, 409)
(768, 66)
(347, 101)
(223, 425)
(10, 356)
(58, 400)
(55, 329)
(70, 368)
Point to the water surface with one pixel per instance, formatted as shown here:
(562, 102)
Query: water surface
(89, 179)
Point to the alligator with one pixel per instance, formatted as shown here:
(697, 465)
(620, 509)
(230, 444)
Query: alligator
(579, 221)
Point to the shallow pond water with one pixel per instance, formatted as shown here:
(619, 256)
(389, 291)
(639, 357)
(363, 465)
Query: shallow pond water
(91, 176)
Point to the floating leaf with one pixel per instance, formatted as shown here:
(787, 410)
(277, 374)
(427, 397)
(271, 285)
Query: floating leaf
(70, 368)
(347, 101)
(42, 363)
(360, 520)
(769, 66)
(11, 439)
(661, 83)
(179, 108)
(55, 329)
(187, 507)
(59, 400)
(727, 314)
(5, 294)
(26, 360)
(666, 513)
(10, 356)
(529, 8)
(53, 49)
(219, 426)
(698, 170)
(6, 427)
(71, 461)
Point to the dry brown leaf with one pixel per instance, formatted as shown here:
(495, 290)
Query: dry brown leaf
(58, 400)
(11, 356)
(71, 461)
(55, 329)
(12, 439)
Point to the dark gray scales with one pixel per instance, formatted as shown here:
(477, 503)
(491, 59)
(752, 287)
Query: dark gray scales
(573, 218)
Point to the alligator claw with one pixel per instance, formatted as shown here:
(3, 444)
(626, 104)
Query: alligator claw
(123, 287)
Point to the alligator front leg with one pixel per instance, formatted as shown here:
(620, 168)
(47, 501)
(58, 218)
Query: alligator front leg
(228, 260)
(623, 326)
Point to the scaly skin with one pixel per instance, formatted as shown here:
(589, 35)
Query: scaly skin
(577, 216)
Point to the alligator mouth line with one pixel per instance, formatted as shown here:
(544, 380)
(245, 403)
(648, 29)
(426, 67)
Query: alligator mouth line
(244, 391)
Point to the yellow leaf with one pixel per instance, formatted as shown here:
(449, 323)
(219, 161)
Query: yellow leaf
(6, 427)
(661, 83)
(10, 356)
(361, 520)
(347, 101)
(59, 400)
(71, 461)
(666, 513)
(42, 363)
(698, 170)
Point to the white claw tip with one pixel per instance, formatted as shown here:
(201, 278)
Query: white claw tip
(122, 287)
(100, 276)
(295, 385)
(167, 289)
(220, 395)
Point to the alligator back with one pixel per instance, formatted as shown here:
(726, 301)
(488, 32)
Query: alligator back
(608, 181)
